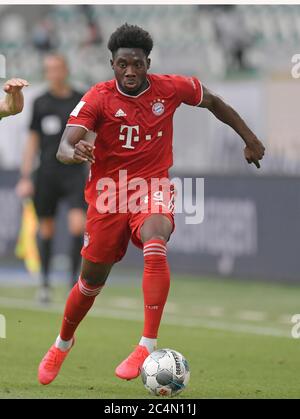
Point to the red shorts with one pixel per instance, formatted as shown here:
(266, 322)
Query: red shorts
(107, 235)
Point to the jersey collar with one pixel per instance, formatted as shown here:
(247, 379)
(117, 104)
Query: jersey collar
(132, 96)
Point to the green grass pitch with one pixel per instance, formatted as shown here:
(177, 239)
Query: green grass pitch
(236, 337)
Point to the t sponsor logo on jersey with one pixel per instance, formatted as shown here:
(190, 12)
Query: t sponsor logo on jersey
(132, 134)
(158, 107)
(120, 113)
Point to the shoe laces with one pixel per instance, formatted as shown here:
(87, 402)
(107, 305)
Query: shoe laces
(52, 358)
(137, 355)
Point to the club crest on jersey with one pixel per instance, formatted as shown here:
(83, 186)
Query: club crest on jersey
(158, 107)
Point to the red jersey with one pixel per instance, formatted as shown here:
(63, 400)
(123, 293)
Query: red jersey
(133, 133)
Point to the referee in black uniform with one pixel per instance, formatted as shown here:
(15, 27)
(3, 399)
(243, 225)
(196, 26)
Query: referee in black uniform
(53, 181)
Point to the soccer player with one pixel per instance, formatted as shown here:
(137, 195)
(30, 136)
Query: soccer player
(132, 118)
(14, 100)
(53, 181)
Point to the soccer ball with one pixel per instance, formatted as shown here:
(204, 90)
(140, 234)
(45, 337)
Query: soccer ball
(165, 373)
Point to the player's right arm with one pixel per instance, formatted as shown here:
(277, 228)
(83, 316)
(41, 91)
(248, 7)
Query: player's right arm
(75, 145)
(74, 148)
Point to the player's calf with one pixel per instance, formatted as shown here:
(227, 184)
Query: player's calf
(156, 284)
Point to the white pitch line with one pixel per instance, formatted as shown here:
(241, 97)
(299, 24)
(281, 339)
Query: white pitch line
(285, 319)
(113, 313)
(125, 302)
(215, 311)
(257, 316)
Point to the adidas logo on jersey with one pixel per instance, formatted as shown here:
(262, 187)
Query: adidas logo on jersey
(120, 113)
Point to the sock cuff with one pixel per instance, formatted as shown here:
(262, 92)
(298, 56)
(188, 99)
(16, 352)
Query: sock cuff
(155, 247)
(89, 290)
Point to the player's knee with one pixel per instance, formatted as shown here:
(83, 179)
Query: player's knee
(95, 278)
(156, 236)
(156, 227)
(95, 281)
(95, 274)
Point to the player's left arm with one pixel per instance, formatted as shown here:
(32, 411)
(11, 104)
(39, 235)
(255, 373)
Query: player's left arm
(14, 100)
(254, 150)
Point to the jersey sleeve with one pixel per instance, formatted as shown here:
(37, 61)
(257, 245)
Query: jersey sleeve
(87, 112)
(189, 90)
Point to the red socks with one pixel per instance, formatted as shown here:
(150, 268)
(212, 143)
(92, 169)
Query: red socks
(156, 284)
(80, 300)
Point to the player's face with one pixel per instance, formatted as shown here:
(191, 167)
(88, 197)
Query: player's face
(130, 66)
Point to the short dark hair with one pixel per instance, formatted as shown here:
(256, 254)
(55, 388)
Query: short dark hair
(130, 36)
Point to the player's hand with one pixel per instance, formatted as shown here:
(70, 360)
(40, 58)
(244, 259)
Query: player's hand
(25, 188)
(84, 152)
(254, 151)
(14, 85)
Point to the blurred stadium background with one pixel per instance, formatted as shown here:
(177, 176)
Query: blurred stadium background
(250, 229)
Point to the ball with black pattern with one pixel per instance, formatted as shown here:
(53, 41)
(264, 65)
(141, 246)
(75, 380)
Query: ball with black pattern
(165, 373)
